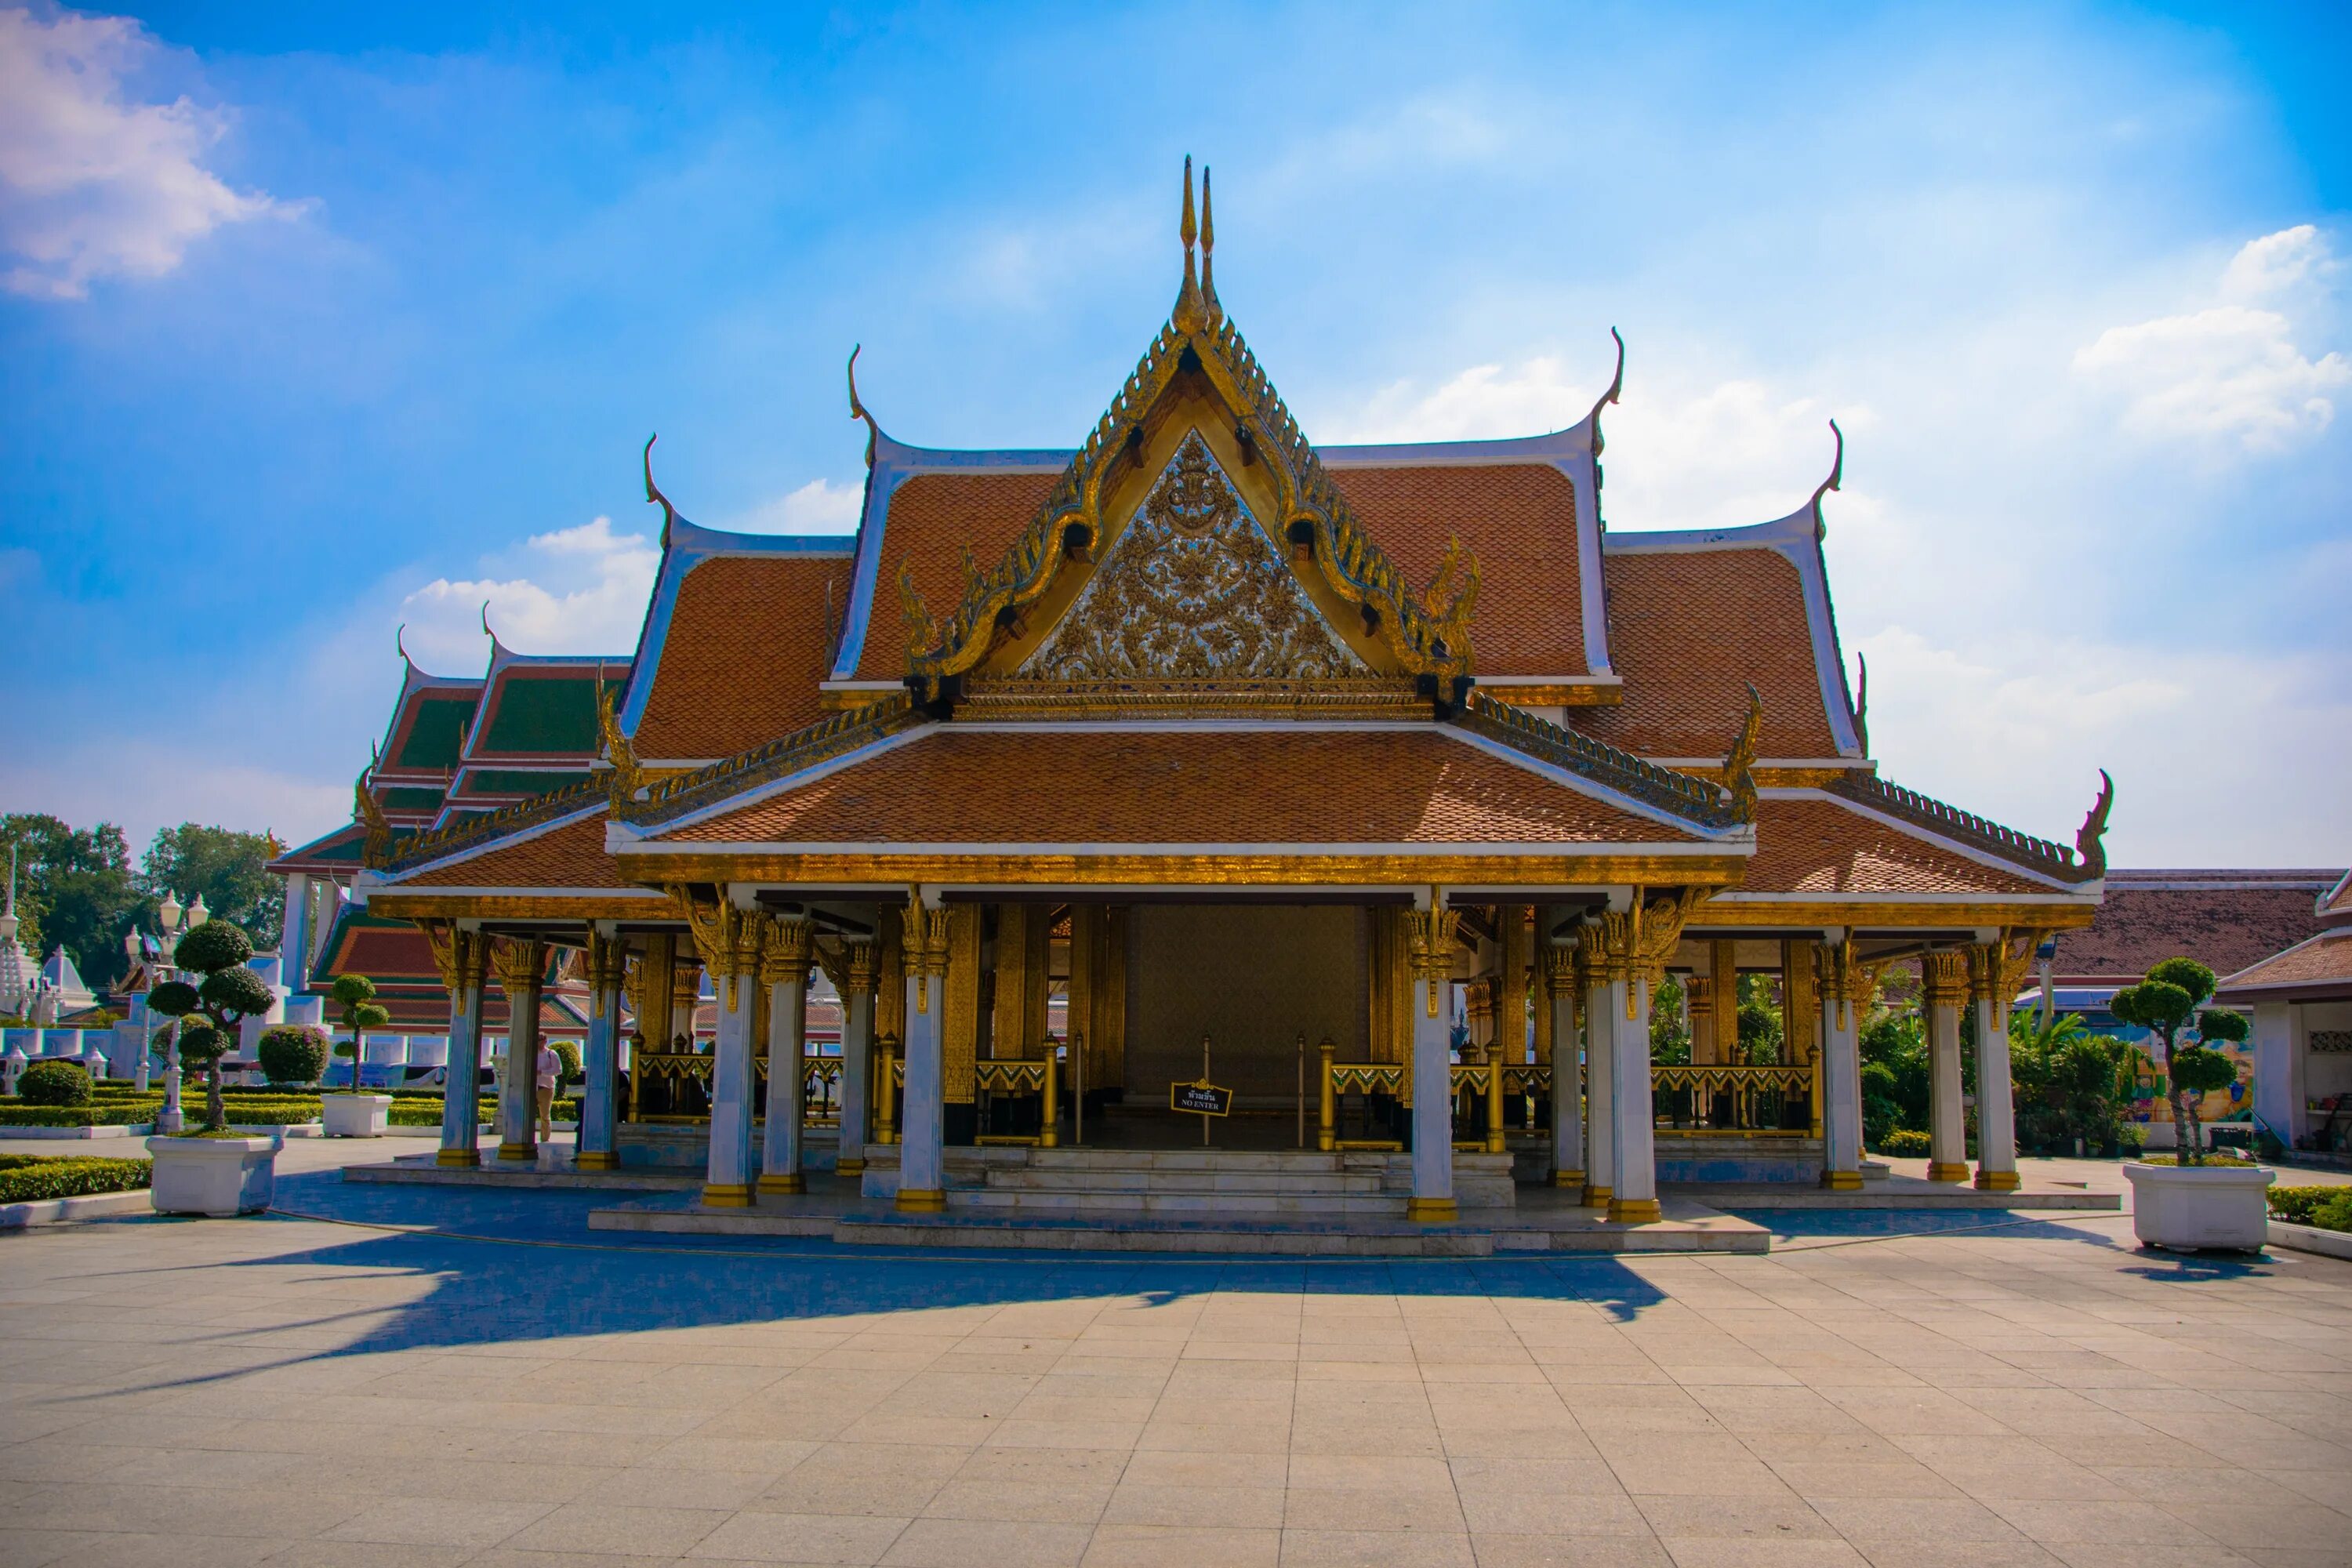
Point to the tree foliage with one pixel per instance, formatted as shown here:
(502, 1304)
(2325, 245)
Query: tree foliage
(293, 1053)
(362, 1012)
(74, 889)
(228, 868)
(53, 1083)
(2162, 1004)
(226, 996)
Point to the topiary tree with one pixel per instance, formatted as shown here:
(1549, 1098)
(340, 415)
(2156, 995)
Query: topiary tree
(53, 1083)
(568, 1053)
(210, 1011)
(2163, 1004)
(293, 1054)
(362, 1012)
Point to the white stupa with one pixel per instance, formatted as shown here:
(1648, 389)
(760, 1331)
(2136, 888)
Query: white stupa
(22, 989)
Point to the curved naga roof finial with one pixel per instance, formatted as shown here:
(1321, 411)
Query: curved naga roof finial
(375, 849)
(1862, 704)
(1190, 315)
(653, 494)
(1739, 767)
(857, 410)
(2087, 837)
(626, 777)
(1835, 481)
(1208, 253)
(400, 645)
(1616, 385)
(497, 647)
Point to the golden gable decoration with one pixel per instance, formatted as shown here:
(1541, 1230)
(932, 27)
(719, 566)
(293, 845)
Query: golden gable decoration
(1192, 590)
(1426, 629)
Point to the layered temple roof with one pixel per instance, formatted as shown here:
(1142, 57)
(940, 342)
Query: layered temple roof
(1192, 647)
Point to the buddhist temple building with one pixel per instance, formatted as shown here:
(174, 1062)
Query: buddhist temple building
(1184, 785)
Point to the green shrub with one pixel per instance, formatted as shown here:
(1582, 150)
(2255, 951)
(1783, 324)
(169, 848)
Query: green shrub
(293, 1054)
(130, 1115)
(568, 1053)
(26, 1178)
(2313, 1205)
(1904, 1143)
(53, 1083)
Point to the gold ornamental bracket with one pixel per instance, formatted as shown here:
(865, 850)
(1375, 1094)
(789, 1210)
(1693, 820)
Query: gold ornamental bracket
(1739, 767)
(626, 777)
(1426, 628)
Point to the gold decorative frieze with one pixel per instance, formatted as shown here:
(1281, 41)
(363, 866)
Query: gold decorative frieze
(1693, 800)
(1192, 590)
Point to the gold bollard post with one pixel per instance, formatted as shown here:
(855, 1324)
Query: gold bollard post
(885, 1054)
(1494, 1098)
(1327, 1133)
(1049, 1135)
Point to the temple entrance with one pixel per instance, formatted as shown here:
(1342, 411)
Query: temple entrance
(1264, 984)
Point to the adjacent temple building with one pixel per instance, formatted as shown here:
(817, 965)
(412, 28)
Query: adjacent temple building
(1202, 766)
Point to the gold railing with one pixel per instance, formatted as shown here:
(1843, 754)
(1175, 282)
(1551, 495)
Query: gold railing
(1339, 1079)
(672, 1068)
(820, 1083)
(1041, 1077)
(1726, 1099)
(1485, 1081)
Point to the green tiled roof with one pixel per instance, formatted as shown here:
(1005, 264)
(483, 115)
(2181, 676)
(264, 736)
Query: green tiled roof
(517, 781)
(437, 734)
(543, 714)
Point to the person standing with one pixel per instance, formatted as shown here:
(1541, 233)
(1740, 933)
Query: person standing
(551, 1068)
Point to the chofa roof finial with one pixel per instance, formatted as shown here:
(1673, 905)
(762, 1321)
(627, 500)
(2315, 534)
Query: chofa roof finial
(1208, 252)
(1616, 387)
(1189, 313)
(496, 646)
(857, 409)
(653, 494)
(1835, 480)
(1862, 704)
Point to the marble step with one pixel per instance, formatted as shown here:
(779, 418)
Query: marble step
(1050, 1179)
(1270, 1205)
(1285, 1160)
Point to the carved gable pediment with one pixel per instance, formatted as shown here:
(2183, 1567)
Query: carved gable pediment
(1193, 589)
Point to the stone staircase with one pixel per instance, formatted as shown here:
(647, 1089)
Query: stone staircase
(1199, 1183)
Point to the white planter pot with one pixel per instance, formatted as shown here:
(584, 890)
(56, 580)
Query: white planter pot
(216, 1176)
(2185, 1206)
(355, 1115)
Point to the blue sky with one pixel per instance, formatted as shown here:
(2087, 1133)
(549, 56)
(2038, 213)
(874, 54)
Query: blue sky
(315, 321)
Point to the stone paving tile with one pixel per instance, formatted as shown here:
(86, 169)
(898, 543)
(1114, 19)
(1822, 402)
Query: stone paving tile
(2027, 1400)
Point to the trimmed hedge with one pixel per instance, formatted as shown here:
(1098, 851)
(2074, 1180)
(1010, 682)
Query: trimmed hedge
(53, 1083)
(29, 1178)
(2328, 1208)
(15, 1113)
(1905, 1144)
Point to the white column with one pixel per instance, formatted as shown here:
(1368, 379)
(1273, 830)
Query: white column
(1996, 1110)
(857, 1057)
(727, 1181)
(461, 1088)
(1432, 1102)
(922, 1161)
(1945, 985)
(1567, 1073)
(1840, 1075)
(1633, 1194)
(522, 966)
(599, 1138)
(2279, 1092)
(1600, 1075)
(294, 937)
(786, 974)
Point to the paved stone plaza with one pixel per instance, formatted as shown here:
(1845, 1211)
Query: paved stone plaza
(516, 1391)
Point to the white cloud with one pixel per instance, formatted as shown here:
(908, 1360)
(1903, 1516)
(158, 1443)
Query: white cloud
(2233, 371)
(1734, 452)
(819, 506)
(577, 589)
(93, 183)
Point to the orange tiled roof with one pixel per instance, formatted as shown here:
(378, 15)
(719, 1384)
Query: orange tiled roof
(1688, 630)
(749, 641)
(2324, 960)
(1821, 846)
(1520, 520)
(572, 855)
(1173, 786)
(932, 517)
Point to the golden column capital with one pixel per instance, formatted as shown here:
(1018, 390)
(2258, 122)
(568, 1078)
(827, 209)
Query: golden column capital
(520, 963)
(787, 950)
(1944, 977)
(863, 967)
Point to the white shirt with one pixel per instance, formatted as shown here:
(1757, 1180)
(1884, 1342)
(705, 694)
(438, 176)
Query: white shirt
(549, 1064)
